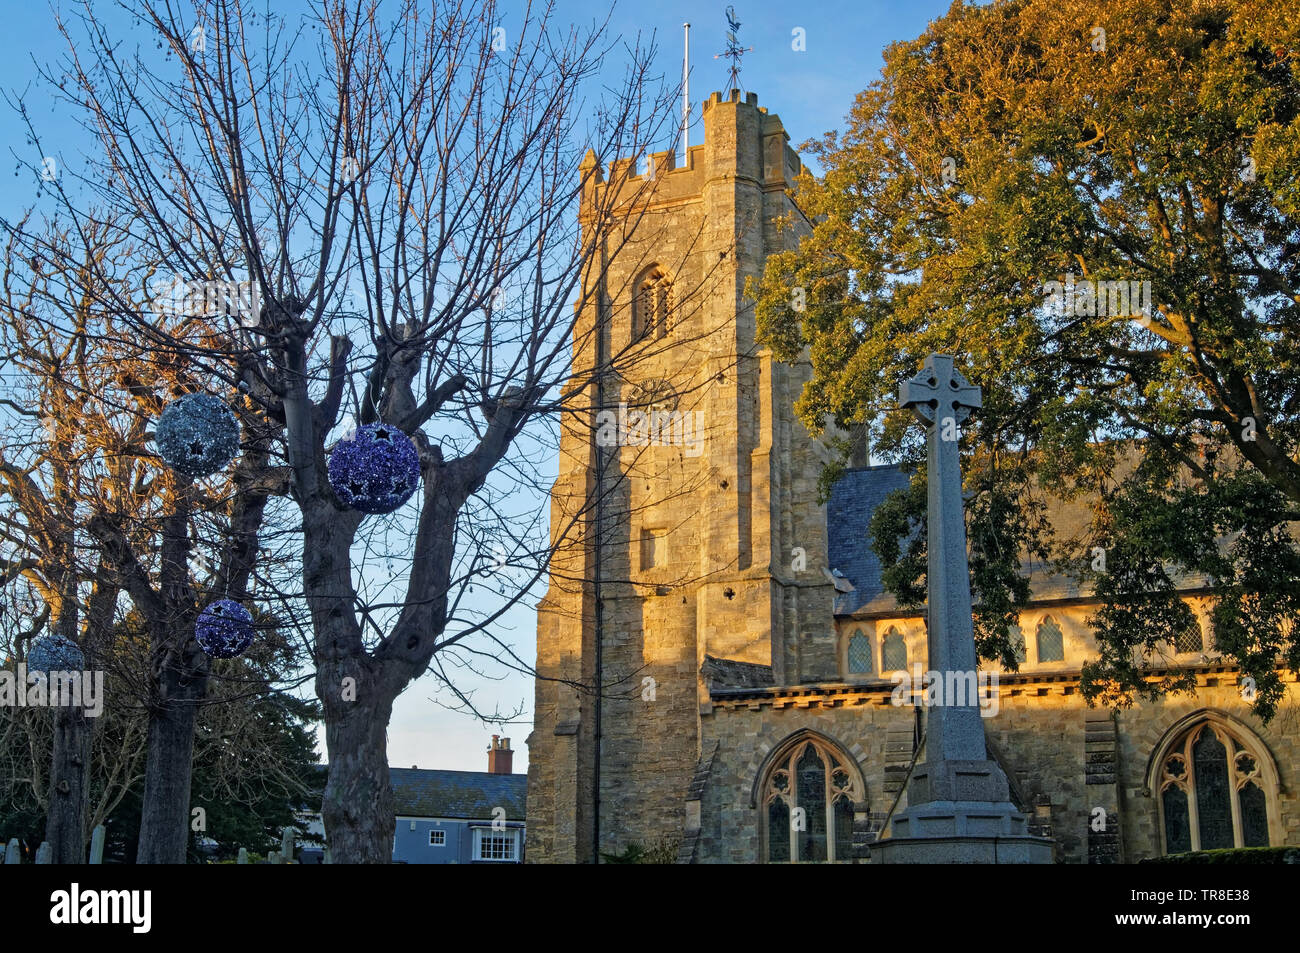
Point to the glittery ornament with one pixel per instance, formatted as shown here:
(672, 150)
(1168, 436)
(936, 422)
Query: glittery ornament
(54, 653)
(197, 435)
(375, 470)
(224, 629)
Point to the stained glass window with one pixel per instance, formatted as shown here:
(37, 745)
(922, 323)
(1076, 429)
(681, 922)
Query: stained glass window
(1190, 639)
(859, 654)
(1210, 762)
(893, 651)
(1212, 792)
(1051, 644)
(1018, 640)
(809, 802)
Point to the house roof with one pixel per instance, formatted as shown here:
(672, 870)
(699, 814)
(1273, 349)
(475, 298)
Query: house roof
(468, 794)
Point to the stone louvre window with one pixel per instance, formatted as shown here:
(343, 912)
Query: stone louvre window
(652, 305)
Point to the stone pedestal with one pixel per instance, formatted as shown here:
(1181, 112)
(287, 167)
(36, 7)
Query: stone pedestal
(960, 812)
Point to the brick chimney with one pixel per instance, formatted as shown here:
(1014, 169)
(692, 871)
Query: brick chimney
(500, 757)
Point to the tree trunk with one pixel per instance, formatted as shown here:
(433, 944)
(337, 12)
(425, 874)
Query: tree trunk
(65, 826)
(358, 808)
(165, 808)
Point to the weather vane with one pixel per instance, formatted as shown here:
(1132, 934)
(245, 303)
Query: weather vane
(734, 50)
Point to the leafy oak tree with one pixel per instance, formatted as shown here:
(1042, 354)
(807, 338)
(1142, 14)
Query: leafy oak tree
(1095, 206)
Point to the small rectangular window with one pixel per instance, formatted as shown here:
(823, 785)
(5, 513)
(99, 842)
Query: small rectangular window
(654, 546)
(437, 838)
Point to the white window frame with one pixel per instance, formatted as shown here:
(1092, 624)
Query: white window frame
(442, 837)
(482, 832)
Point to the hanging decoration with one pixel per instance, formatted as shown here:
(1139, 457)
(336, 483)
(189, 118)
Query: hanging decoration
(375, 470)
(224, 629)
(55, 653)
(197, 435)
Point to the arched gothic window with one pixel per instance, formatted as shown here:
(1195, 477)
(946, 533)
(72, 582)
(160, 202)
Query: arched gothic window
(807, 804)
(1214, 791)
(1051, 644)
(858, 654)
(652, 305)
(893, 651)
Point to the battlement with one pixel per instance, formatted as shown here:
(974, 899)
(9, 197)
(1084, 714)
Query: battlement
(741, 139)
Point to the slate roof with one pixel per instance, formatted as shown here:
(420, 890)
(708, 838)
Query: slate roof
(854, 497)
(458, 794)
(859, 491)
(731, 673)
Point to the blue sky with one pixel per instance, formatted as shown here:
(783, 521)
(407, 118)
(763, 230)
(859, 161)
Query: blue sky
(811, 90)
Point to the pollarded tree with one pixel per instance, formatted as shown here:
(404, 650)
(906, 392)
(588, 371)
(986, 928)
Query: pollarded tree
(400, 192)
(1096, 207)
(96, 514)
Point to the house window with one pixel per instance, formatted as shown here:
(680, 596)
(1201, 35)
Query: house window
(1213, 792)
(495, 845)
(1051, 644)
(437, 838)
(1190, 639)
(807, 805)
(893, 651)
(859, 653)
(652, 305)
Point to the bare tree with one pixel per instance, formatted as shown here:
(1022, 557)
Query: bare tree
(401, 194)
(97, 515)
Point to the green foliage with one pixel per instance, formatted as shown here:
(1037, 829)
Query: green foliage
(1008, 148)
(662, 851)
(1232, 855)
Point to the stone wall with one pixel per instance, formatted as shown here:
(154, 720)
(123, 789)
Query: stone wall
(1044, 735)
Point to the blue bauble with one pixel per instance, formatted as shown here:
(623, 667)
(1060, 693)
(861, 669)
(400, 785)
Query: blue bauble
(375, 470)
(224, 629)
(54, 653)
(197, 435)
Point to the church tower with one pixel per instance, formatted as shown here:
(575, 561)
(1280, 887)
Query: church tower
(685, 516)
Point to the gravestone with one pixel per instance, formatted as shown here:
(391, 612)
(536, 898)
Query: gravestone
(959, 806)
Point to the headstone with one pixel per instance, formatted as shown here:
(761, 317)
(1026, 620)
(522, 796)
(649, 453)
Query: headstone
(44, 853)
(959, 806)
(286, 846)
(12, 854)
(273, 857)
(97, 844)
(243, 856)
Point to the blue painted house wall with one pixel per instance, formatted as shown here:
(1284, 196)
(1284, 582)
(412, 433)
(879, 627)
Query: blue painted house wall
(413, 847)
(458, 803)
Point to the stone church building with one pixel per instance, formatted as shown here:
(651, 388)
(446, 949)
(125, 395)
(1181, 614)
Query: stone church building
(738, 629)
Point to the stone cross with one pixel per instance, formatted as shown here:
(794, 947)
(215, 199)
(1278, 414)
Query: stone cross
(942, 399)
